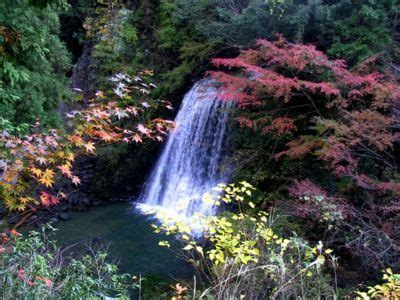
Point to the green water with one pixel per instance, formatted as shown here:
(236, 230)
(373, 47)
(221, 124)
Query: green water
(130, 236)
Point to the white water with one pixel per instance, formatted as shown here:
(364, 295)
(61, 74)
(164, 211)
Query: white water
(190, 164)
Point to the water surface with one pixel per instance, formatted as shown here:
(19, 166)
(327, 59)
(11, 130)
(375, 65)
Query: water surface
(130, 236)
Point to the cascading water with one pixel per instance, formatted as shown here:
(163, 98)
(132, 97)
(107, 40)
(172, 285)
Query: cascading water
(190, 164)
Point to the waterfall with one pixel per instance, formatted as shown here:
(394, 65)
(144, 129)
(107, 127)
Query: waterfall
(190, 164)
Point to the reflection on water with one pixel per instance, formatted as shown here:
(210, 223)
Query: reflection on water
(131, 239)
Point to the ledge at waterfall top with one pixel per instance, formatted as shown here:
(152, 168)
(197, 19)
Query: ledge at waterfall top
(190, 164)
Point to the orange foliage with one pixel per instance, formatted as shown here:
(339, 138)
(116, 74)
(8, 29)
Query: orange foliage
(33, 163)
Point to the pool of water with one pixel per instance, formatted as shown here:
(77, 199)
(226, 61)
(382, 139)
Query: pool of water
(130, 236)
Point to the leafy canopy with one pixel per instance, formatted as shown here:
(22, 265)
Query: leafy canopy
(317, 115)
(33, 61)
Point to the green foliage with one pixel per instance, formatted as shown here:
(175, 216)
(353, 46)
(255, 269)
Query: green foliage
(193, 56)
(169, 35)
(179, 48)
(33, 62)
(115, 38)
(239, 23)
(34, 266)
(6, 125)
(361, 29)
(353, 30)
(234, 22)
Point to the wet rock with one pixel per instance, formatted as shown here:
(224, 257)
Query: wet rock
(32, 219)
(80, 208)
(96, 202)
(63, 208)
(64, 216)
(2, 211)
(13, 219)
(121, 199)
(85, 201)
(39, 223)
(73, 199)
(53, 220)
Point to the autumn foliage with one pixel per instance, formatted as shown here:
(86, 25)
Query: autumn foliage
(34, 165)
(343, 121)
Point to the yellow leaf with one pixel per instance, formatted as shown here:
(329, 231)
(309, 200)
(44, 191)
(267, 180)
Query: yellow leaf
(70, 156)
(20, 207)
(220, 257)
(47, 178)
(163, 244)
(199, 249)
(35, 171)
(25, 200)
(188, 247)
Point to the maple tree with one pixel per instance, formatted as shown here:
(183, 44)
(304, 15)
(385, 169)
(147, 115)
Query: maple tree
(318, 110)
(32, 164)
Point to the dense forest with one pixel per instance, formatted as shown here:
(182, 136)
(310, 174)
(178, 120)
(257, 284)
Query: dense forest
(254, 141)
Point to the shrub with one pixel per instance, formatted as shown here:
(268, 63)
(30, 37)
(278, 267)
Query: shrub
(390, 289)
(242, 255)
(34, 266)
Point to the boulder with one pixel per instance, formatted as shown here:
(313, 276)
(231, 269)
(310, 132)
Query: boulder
(64, 216)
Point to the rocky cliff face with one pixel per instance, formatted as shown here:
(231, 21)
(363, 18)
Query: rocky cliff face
(82, 72)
